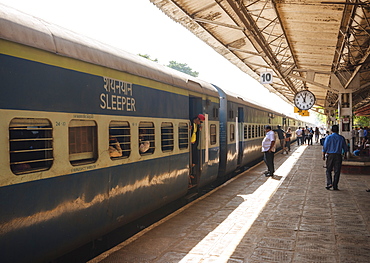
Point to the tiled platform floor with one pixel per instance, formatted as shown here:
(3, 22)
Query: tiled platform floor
(289, 218)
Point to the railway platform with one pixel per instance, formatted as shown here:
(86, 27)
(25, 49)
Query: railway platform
(252, 218)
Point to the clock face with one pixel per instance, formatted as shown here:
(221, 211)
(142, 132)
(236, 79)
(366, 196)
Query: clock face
(304, 100)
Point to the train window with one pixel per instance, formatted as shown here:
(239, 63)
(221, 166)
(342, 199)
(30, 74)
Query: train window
(231, 114)
(213, 134)
(249, 131)
(119, 140)
(146, 138)
(232, 132)
(253, 132)
(183, 135)
(167, 136)
(245, 131)
(215, 112)
(82, 142)
(262, 130)
(31, 145)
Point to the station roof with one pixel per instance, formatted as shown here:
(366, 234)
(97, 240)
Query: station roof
(319, 45)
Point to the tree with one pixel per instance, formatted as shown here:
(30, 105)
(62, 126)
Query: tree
(148, 57)
(361, 121)
(320, 118)
(183, 67)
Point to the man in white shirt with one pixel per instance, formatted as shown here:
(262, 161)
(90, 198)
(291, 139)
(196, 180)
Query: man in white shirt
(361, 135)
(268, 149)
(298, 132)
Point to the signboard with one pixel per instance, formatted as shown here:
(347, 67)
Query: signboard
(301, 112)
(266, 77)
(304, 113)
(345, 120)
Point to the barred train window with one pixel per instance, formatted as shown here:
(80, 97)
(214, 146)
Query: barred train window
(213, 134)
(146, 138)
(183, 135)
(232, 132)
(245, 131)
(167, 136)
(249, 131)
(253, 132)
(31, 145)
(119, 140)
(82, 142)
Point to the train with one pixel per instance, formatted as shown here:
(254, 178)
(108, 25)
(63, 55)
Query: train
(66, 101)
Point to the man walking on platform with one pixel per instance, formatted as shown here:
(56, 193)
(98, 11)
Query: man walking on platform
(268, 149)
(334, 146)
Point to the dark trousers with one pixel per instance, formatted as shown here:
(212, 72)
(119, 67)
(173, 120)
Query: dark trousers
(287, 144)
(299, 140)
(333, 163)
(309, 139)
(268, 157)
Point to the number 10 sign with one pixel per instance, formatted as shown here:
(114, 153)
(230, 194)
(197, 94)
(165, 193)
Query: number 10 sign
(266, 77)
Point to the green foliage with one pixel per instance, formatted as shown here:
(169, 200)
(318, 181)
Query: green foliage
(320, 118)
(148, 57)
(183, 67)
(361, 121)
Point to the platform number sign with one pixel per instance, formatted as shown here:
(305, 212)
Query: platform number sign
(266, 77)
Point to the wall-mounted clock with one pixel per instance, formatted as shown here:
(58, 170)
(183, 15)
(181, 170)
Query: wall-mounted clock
(304, 100)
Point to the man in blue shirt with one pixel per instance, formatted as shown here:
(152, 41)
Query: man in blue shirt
(334, 146)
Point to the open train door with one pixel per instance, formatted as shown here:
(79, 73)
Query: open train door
(195, 108)
(240, 135)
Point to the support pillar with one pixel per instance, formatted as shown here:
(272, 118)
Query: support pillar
(345, 116)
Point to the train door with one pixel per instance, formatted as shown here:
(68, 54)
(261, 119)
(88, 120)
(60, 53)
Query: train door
(195, 108)
(240, 132)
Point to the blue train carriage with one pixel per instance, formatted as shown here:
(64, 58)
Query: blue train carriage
(95, 137)
(242, 130)
(207, 163)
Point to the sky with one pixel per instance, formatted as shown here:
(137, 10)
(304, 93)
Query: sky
(139, 27)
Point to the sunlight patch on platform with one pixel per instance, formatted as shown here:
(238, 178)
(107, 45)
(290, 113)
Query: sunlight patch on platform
(237, 224)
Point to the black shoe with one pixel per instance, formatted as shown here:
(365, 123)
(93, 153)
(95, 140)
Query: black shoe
(336, 189)
(368, 190)
(329, 186)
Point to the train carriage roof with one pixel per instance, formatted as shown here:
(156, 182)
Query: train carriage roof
(248, 102)
(28, 30)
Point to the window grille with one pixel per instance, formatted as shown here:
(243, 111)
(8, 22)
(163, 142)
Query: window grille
(232, 132)
(213, 134)
(146, 138)
(31, 145)
(183, 135)
(167, 136)
(245, 131)
(119, 131)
